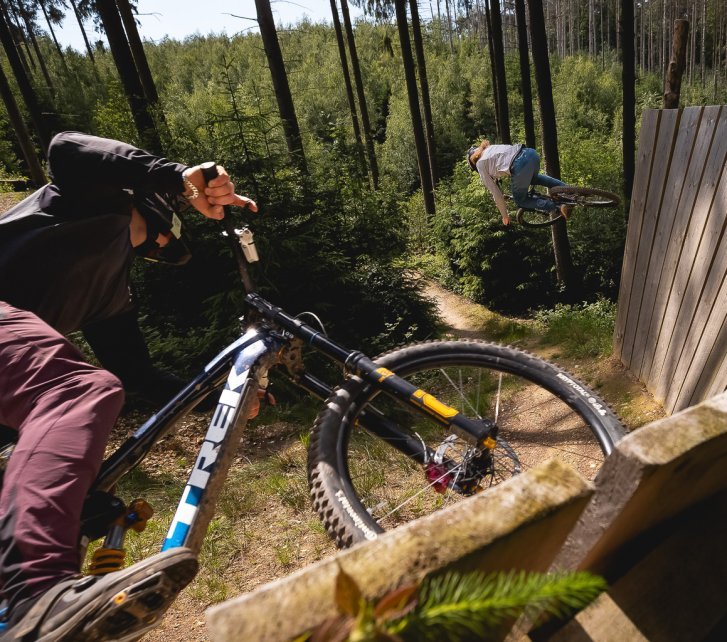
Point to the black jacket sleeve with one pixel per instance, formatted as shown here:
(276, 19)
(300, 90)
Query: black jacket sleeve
(89, 168)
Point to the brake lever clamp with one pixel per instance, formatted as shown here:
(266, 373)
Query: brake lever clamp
(245, 236)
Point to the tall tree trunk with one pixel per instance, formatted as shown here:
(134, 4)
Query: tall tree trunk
(137, 51)
(449, 26)
(703, 49)
(628, 80)
(83, 31)
(26, 145)
(675, 70)
(347, 83)
(662, 59)
(652, 53)
(642, 38)
(527, 93)
(691, 43)
(561, 244)
(12, 28)
(26, 89)
(493, 66)
(53, 35)
(19, 34)
(591, 29)
(128, 73)
(358, 80)
(424, 86)
(416, 118)
(603, 43)
(286, 107)
(38, 54)
(618, 22)
(496, 19)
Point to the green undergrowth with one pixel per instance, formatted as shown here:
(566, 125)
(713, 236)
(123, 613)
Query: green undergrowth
(580, 331)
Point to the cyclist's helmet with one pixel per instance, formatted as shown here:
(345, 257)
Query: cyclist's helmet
(161, 213)
(471, 151)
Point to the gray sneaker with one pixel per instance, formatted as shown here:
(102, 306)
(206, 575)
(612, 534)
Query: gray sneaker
(119, 606)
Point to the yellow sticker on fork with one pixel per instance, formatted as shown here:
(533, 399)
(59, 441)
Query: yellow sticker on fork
(433, 404)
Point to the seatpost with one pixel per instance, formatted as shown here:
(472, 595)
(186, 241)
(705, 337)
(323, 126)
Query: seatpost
(209, 171)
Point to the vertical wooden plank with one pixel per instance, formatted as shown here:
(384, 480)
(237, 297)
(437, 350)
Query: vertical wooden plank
(714, 381)
(645, 156)
(706, 376)
(713, 376)
(668, 348)
(641, 305)
(671, 242)
(654, 294)
(707, 274)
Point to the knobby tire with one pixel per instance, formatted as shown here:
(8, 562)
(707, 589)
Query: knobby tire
(347, 465)
(536, 218)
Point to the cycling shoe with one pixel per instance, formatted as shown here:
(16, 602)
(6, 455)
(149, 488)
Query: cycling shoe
(119, 606)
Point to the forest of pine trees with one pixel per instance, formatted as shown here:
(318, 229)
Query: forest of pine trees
(351, 136)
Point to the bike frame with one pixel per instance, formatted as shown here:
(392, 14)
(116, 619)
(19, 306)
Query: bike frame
(246, 363)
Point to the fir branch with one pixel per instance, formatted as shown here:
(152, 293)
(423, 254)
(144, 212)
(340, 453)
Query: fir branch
(455, 606)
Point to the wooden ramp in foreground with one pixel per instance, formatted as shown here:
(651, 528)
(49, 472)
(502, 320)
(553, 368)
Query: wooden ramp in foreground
(654, 524)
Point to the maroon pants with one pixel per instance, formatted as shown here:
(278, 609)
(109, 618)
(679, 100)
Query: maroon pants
(63, 410)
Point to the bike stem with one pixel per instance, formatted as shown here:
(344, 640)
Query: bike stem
(209, 171)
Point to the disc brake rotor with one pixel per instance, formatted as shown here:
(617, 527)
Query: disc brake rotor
(461, 468)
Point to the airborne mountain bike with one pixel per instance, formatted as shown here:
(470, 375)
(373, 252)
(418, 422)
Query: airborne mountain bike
(400, 436)
(565, 195)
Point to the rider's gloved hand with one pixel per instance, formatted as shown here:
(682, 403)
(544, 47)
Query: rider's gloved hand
(506, 220)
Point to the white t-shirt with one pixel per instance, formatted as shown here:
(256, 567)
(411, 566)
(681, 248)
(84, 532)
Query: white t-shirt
(495, 163)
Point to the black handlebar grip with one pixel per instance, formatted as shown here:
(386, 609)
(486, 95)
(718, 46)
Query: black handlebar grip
(209, 171)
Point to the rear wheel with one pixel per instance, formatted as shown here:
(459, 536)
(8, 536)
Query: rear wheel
(361, 484)
(586, 196)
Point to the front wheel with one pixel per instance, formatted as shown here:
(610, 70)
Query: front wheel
(586, 196)
(362, 483)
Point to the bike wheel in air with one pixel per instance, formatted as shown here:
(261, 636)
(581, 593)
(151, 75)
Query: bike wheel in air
(585, 196)
(362, 485)
(535, 218)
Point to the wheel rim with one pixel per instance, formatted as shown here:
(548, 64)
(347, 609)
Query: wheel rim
(593, 201)
(395, 489)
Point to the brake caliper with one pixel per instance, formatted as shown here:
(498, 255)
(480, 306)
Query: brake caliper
(438, 476)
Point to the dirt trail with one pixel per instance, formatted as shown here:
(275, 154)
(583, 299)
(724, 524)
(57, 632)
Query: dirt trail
(616, 385)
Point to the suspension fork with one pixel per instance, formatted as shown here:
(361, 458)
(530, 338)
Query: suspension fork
(375, 422)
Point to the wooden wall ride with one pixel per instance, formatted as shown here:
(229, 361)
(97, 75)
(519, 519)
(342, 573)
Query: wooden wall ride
(671, 325)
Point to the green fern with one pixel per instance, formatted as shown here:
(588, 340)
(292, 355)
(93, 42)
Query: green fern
(457, 607)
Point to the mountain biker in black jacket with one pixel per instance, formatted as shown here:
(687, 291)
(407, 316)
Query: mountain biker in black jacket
(66, 250)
